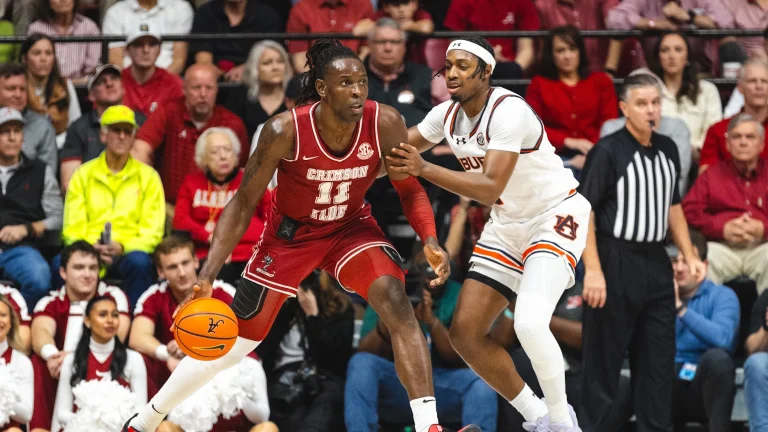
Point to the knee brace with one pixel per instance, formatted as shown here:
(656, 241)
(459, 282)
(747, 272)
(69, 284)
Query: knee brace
(532, 316)
(256, 308)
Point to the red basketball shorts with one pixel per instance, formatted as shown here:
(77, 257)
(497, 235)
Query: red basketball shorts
(356, 254)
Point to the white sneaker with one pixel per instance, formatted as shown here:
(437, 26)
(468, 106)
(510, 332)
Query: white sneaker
(561, 427)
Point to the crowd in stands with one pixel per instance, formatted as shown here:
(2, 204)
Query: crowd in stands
(117, 159)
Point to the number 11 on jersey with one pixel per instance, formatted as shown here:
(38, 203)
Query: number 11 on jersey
(324, 197)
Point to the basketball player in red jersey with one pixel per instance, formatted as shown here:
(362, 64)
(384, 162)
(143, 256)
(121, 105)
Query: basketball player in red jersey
(327, 154)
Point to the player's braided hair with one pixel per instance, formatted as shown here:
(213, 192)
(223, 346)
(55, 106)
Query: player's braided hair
(320, 55)
(480, 63)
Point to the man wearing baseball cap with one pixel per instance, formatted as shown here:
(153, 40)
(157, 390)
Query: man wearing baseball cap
(31, 204)
(147, 86)
(125, 213)
(83, 143)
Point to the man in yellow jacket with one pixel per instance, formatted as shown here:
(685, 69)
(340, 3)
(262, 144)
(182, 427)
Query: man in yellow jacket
(117, 203)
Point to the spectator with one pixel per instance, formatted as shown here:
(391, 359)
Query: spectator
(672, 15)
(756, 366)
(323, 16)
(83, 143)
(116, 203)
(567, 329)
(513, 56)
(749, 15)
(99, 355)
(19, 367)
(231, 16)
(707, 327)
(247, 375)
(314, 331)
(753, 84)
(151, 334)
(630, 313)
(726, 205)
(372, 391)
(571, 101)
(173, 129)
(40, 137)
(468, 219)
(392, 80)
(685, 96)
(8, 52)
(57, 322)
(19, 305)
(266, 76)
(205, 193)
(146, 85)
(411, 18)
(31, 204)
(603, 54)
(48, 93)
(57, 18)
(162, 16)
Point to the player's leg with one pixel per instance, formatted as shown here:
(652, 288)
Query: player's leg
(481, 301)
(256, 307)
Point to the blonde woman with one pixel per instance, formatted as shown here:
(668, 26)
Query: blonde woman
(15, 371)
(266, 76)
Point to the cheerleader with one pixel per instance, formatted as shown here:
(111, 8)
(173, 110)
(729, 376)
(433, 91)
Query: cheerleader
(99, 356)
(16, 379)
(245, 382)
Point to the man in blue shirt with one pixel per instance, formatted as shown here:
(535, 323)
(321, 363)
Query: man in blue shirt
(756, 366)
(706, 329)
(372, 390)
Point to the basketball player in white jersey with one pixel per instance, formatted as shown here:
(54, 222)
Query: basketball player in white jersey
(530, 245)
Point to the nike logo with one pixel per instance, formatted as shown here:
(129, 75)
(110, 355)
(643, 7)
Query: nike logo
(211, 348)
(427, 400)
(309, 158)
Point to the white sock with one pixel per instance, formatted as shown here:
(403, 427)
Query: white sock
(186, 379)
(529, 405)
(424, 413)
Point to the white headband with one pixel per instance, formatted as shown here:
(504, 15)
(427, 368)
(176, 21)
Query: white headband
(475, 49)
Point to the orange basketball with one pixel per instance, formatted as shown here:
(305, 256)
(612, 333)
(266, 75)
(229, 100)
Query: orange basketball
(206, 329)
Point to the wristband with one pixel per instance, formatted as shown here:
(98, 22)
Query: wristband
(48, 351)
(509, 314)
(30, 230)
(161, 353)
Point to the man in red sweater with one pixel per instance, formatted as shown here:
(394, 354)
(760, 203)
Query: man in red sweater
(171, 132)
(753, 84)
(729, 205)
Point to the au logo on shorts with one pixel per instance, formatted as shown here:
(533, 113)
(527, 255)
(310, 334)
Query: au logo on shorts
(566, 227)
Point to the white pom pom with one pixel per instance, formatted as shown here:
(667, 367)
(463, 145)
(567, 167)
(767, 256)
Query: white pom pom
(10, 393)
(199, 412)
(102, 406)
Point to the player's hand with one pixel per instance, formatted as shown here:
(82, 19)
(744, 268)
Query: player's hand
(438, 260)
(406, 159)
(594, 292)
(698, 268)
(203, 289)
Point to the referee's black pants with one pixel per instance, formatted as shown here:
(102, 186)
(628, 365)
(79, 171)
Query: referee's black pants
(639, 319)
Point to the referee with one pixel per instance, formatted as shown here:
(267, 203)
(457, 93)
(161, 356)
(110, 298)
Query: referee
(630, 178)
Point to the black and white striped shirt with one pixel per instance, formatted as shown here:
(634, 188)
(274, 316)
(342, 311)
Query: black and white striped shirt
(631, 187)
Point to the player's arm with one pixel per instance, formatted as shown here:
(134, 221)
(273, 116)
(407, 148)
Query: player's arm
(485, 187)
(416, 205)
(276, 142)
(416, 139)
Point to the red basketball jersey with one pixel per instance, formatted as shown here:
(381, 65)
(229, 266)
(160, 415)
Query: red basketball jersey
(323, 190)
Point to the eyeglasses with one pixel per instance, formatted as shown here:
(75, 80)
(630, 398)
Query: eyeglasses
(387, 41)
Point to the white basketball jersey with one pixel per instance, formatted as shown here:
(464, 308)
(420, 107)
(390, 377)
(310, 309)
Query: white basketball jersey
(539, 181)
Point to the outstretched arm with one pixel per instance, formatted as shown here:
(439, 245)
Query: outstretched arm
(416, 205)
(485, 187)
(275, 143)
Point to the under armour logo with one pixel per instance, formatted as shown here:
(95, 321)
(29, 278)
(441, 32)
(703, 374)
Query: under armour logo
(461, 140)
(458, 43)
(212, 325)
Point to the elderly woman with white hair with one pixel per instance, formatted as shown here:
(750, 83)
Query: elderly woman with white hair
(266, 76)
(204, 194)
